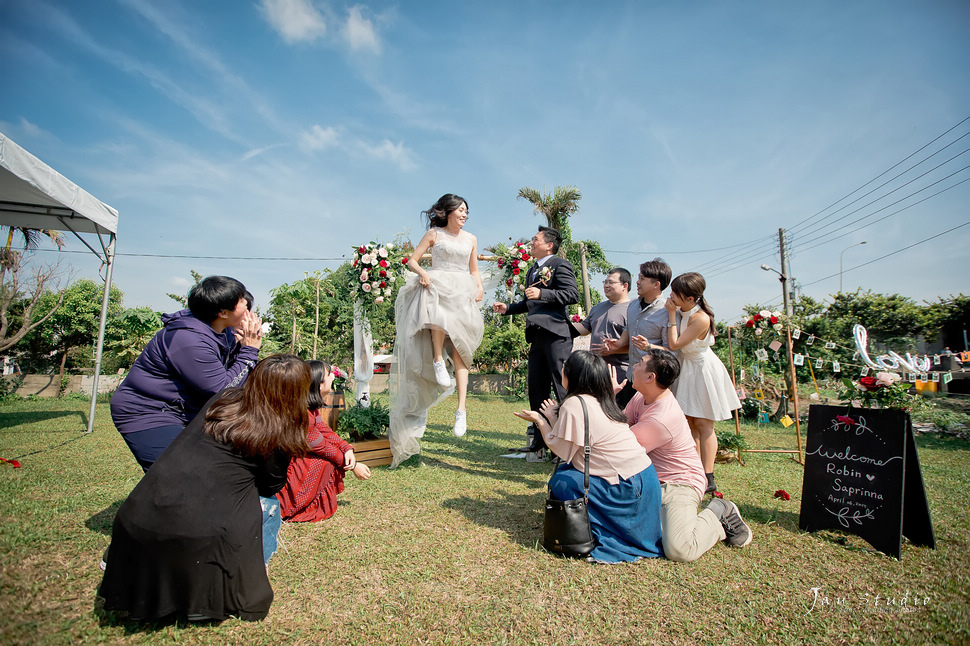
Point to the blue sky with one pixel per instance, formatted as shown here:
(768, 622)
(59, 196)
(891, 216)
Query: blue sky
(299, 128)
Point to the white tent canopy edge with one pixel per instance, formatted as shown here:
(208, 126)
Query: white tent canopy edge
(34, 195)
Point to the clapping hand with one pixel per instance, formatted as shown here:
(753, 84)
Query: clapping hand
(640, 342)
(250, 332)
(617, 385)
(550, 410)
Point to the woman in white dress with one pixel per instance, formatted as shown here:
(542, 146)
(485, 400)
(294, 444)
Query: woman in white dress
(439, 322)
(704, 389)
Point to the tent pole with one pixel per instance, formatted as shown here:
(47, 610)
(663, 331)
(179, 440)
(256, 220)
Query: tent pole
(110, 259)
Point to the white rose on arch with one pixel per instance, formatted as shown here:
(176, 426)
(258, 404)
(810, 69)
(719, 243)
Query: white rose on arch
(379, 300)
(366, 287)
(364, 276)
(764, 314)
(382, 253)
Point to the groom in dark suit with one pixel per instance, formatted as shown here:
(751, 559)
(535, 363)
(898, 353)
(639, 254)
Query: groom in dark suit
(550, 287)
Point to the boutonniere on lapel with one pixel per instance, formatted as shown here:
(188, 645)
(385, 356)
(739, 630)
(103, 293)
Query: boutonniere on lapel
(545, 275)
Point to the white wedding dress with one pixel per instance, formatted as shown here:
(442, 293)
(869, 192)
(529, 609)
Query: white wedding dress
(449, 304)
(704, 388)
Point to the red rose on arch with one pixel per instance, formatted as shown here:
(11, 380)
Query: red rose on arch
(515, 263)
(362, 249)
(404, 260)
(869, 383)
(516, 271)
(773, 320)
(383, 274)
(525, 256)
(749, 323)
(383, 284)
(757, 317)
(508, 282)
(383, 263)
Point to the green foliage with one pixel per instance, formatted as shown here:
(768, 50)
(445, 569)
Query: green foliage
(889, 319)
(73, 325)
(555, 207)
(183, 300)
(950, 316)
(503, 346)
(731, 440)
(360, 423)
(944, 420)
(751, 408)
(127, 335)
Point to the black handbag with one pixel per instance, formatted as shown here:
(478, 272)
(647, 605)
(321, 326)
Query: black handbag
(566, 530)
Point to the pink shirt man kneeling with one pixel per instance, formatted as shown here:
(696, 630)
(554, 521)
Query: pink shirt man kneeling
(660, 426)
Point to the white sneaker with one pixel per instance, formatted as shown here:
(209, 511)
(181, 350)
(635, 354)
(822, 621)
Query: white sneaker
(441, 374)
(460, 423)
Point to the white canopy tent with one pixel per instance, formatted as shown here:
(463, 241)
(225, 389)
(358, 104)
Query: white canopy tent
(35, 196)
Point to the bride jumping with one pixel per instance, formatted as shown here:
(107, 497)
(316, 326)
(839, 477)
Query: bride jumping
(439, 326)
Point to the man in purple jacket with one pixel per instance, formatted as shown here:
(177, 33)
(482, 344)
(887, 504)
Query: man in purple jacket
(210, 346)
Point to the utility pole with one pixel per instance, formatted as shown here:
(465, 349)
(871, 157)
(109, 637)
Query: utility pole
(785, 275)
(790, 379)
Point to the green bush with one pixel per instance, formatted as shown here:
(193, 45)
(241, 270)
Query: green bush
(359, 423)
(731, 440)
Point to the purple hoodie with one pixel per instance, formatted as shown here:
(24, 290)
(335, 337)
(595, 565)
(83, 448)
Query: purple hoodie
(184, 365)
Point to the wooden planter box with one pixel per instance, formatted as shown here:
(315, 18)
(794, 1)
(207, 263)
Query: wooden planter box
(373, 453)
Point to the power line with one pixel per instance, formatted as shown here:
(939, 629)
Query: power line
(884, 256)
(908, 206)
(911, 155)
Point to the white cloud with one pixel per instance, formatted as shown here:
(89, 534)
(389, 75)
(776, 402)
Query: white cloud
(295, 20)
(396, 153)
(359, 31)
(318, 138)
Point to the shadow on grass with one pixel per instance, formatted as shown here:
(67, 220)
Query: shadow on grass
(8, 420)
(497, 474)
(520, 516)
(786, 520)
(107, 618)
(103, 520)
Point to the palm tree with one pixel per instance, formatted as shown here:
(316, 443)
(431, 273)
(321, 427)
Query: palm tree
(556, 207)
(31, 237)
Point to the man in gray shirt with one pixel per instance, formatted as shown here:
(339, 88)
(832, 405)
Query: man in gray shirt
(607, 319)
(646, 321)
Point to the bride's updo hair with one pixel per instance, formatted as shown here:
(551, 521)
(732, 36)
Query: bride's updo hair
(438, 213)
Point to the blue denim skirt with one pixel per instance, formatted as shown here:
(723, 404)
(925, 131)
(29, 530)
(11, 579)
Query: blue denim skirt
(625, 517)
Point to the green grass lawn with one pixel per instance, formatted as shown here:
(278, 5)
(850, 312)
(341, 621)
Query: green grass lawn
(446, 552)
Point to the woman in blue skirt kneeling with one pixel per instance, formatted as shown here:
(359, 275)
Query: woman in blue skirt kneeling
(624, 493)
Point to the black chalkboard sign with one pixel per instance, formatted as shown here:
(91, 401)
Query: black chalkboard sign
(862, 475)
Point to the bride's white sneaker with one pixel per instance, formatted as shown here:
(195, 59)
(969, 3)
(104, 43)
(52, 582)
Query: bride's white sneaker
(460, 423)
(441, 374)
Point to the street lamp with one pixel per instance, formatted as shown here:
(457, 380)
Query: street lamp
(783, 279)
(840, 261)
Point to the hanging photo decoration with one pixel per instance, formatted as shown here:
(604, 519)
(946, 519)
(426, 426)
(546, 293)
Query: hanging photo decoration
(855, 355)
(948, 377)
(742, 374)
(864, 371)
(761, 354)
(775, 345)
(829, 345)
(798, 360)
(836, 367)
(811, 340)
(936, 359)
(786, 421)
(796, 333)
(759, 395)
(763, 418)
(936, 377)
(819, 363)
(923, 378)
